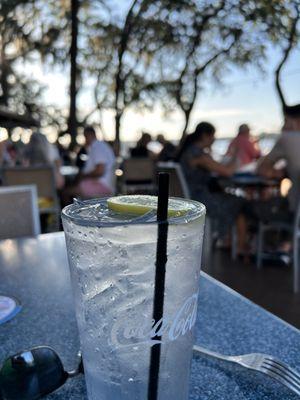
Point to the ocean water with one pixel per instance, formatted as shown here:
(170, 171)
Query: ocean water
(219, 147)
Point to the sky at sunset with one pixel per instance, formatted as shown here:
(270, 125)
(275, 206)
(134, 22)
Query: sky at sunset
(246, 96)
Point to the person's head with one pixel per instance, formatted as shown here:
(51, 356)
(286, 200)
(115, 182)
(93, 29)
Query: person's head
(37, 151)
(244, 130)
(291, 122)
(145, 139)
(161, 139)
(89, 135)
(203, 136)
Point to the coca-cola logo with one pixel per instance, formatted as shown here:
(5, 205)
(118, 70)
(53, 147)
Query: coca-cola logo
(169, 328)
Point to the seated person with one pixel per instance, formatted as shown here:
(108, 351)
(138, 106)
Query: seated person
(243, 147)
(141, 150)
(5, 158)
(40, 152)
(286, 148)
(96, 178)
(198, 167)
(168, 150)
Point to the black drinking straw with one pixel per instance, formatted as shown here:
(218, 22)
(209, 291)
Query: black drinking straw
(160, 272)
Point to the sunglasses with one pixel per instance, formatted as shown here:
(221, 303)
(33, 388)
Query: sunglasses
(34, 373)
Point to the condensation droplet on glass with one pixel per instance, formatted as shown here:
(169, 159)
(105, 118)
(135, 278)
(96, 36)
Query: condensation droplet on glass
(105, 329)
(85, 289)
(123, 253)
(97, 276)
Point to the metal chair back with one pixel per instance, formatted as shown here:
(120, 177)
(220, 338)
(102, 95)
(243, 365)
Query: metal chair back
(43, 178)
(19, 213)
(178, 185)
(138, 175)
(296, 248)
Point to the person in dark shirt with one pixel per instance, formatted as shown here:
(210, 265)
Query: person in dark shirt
(199, 167)
(168, 150)
(141, 150)
(81, 158)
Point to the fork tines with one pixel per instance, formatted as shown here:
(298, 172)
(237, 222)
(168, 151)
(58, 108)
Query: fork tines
(282, 372)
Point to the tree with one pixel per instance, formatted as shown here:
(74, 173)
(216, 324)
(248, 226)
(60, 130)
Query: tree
(118, 59)
(73, 70)
(291, 38)
(164, 51)
(29, 30)
(15, 44)
(159, 51)
(214, 36)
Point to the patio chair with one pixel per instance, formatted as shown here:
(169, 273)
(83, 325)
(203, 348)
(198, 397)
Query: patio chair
(138, 175)
(294, 229)
(179, 188)
(19, 213)
(44, 179)
(178, 185)
(296, 248)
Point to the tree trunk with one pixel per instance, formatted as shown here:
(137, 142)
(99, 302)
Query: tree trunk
(118, 112)
(118, 118)
(73, 71)
(4, 73)
(292, 40)
(119, 90)
(187, 114)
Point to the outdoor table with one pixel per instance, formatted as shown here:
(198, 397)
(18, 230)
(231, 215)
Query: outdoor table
(35, 270)
(69, 172)
(246, 180)
(251, 184)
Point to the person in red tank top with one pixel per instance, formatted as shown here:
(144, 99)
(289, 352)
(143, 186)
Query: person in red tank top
(243, 148)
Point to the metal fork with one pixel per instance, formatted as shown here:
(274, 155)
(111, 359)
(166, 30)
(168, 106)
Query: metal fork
(263, 363)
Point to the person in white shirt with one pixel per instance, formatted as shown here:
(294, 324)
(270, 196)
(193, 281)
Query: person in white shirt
(97, 176)
(286, 148)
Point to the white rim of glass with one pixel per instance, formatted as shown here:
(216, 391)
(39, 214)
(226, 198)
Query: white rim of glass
(70, 213)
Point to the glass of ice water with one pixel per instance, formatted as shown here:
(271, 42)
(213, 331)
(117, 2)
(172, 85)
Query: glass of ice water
(112, 263)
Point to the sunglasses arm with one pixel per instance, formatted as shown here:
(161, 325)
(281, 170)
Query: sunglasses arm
(78, 370)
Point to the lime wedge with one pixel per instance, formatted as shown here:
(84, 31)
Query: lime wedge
(141, 204)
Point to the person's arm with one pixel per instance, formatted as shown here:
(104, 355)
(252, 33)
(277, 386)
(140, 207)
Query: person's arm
(98, 157)
(207, 162)
(253, 150)
(231, 148)
(96, 173)
(266, 164)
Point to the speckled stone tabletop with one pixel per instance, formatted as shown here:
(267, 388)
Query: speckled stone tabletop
(36, 271)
